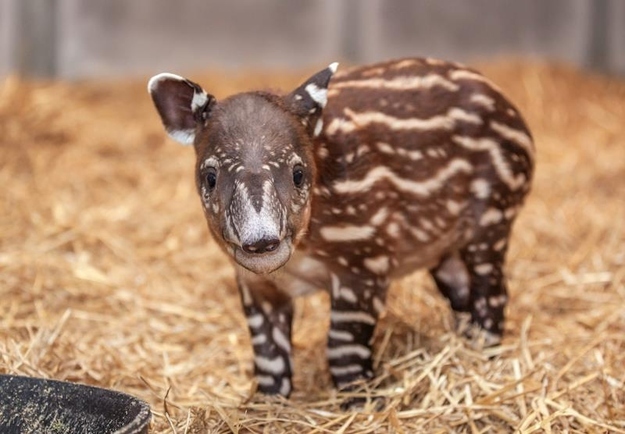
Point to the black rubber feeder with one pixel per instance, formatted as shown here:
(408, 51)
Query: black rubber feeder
(38, 406)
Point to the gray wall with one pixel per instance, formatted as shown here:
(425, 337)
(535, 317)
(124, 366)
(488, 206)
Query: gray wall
(96, 38)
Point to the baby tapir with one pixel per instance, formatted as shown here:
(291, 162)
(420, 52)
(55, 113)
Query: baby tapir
(351, 180)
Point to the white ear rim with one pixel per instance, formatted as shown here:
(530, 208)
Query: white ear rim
(184, 137)
(154, 81)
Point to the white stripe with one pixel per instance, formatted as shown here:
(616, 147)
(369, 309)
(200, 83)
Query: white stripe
(514, 135)
(259, 339)
(499, 162)
(483, 269)
(348, 295)
(352, 316)
(463, 74)
(422, 188)
(347, 233)
(255, 321)
(485, 101)
(280, 339)
(439, 122)
(273, 366)
(340, 335)
(349, 350)
(339, 371)
(399, 83)
(265, 380)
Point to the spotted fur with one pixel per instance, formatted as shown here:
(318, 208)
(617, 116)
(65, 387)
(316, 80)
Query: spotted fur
(414, 163)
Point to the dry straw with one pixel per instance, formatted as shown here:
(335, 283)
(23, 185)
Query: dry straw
(108, 276)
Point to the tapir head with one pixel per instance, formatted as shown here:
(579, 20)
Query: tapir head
(255, 167)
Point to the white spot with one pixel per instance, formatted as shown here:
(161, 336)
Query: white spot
(317, 94)
(318, 127)
(498, 300)
(491, 216)
(352, 316)
(421, 188)
(419, 234)
(379, 217)
(500, 245)
(273, 366)
(285, 387)
(256, 320)
(385, 148)
(378, 264)
(378, 305)
(511, 212)
(280, 339)
(454, 207)
(483, 269)
(342, 261)
(333, 66)
(347, 233)
(480, 306)
(393, 229)
(349, 350)
(480, 188)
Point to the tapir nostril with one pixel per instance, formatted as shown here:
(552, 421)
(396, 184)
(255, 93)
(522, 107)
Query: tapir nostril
(262, 246)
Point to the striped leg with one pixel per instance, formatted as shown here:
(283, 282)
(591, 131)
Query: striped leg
(269, 316)
(357, 302)
(484, 260)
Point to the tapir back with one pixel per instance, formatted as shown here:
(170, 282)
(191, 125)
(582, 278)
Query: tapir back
(415, 155)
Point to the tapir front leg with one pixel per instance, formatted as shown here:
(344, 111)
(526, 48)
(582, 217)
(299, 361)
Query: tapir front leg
(269, 314)
(357, 301)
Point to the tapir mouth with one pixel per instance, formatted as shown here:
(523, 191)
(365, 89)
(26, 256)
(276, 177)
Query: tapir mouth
(264, 263)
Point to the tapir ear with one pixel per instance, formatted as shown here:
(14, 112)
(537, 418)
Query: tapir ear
(182, 105)
(309, 99)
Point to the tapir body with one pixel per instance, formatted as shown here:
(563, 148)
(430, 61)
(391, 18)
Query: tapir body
(349, 181)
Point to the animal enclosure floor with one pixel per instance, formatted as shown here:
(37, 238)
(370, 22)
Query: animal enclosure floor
(108, 275)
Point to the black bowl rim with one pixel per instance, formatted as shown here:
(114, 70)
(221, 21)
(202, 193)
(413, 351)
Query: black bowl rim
(140, 421)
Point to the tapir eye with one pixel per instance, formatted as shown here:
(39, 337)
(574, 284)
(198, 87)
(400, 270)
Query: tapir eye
(211, 178)
(298, 176)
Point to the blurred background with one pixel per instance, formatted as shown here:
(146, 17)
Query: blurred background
(77, 39)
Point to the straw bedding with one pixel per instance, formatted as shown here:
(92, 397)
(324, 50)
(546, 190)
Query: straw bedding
(109, 277)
